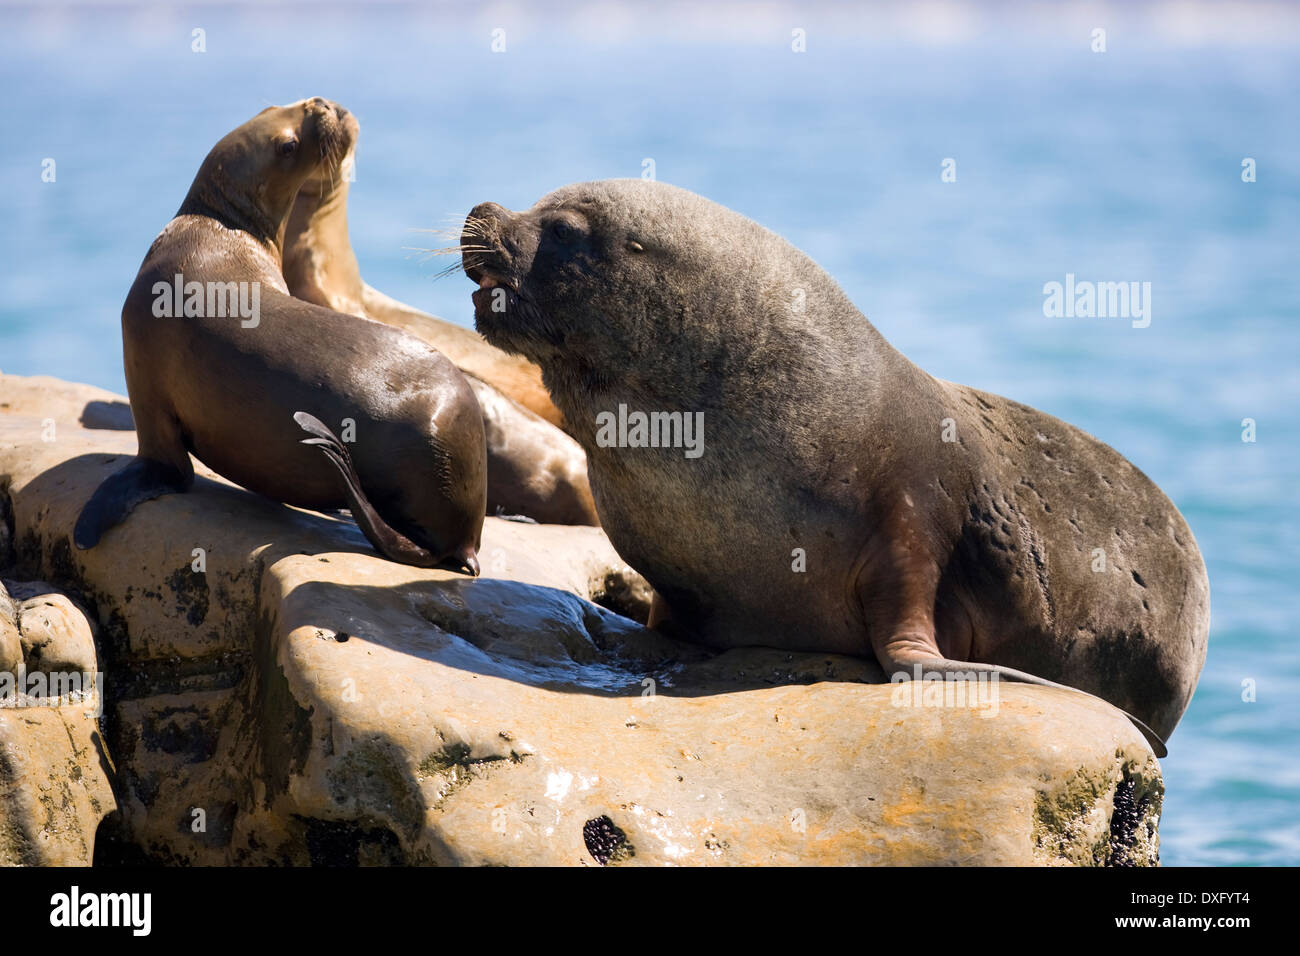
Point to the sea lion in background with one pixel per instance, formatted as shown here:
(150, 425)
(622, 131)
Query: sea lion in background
(518, 380)
(238, 388)
(823, 444)
(533, 468)
(320, 267)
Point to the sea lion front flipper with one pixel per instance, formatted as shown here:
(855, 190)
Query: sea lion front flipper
(389, 542)
(117, 496)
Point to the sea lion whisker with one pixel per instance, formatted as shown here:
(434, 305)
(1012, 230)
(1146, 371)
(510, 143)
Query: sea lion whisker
(336, 156)
(453, 268)
(447, 250)
(427, 254)
(476, 226)
(451, 229)
(455, 233)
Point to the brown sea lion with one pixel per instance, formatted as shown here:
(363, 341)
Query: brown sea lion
(534, 468)
(222, 363)
(841, 499)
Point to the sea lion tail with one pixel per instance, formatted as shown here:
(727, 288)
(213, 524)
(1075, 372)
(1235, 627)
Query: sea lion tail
(945, 666)
(389, 542)
(117, 496)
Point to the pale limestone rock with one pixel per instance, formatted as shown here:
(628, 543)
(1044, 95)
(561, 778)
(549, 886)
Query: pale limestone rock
(56, 636)
(11, 643)
(54, 786)
(54, 770)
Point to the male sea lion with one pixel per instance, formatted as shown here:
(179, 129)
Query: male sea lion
(237, 388)
(824, 444)
(533, 468)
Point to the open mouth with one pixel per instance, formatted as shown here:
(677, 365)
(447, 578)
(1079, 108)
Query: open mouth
(487, 281)
(483, 294)
(488, 297)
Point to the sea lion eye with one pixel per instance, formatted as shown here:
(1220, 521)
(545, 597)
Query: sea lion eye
(288, 146)
(564, 230)
(634, 246)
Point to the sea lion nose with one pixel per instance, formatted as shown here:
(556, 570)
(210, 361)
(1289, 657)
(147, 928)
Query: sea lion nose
(489, 213)
(481, 238)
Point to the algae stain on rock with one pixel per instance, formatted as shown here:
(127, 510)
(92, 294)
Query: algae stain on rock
(373, 776)
(287, 745)
(455, 765)
(191, 590)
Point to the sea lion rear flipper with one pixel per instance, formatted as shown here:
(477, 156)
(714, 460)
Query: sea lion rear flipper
(389, 542)
(944, 666)
(117, 496)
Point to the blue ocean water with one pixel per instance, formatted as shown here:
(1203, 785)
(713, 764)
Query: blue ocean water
(1123, 165)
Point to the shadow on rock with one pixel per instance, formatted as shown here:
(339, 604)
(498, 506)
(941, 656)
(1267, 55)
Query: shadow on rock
(112, 416)
(550, 638)
(208, 510)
